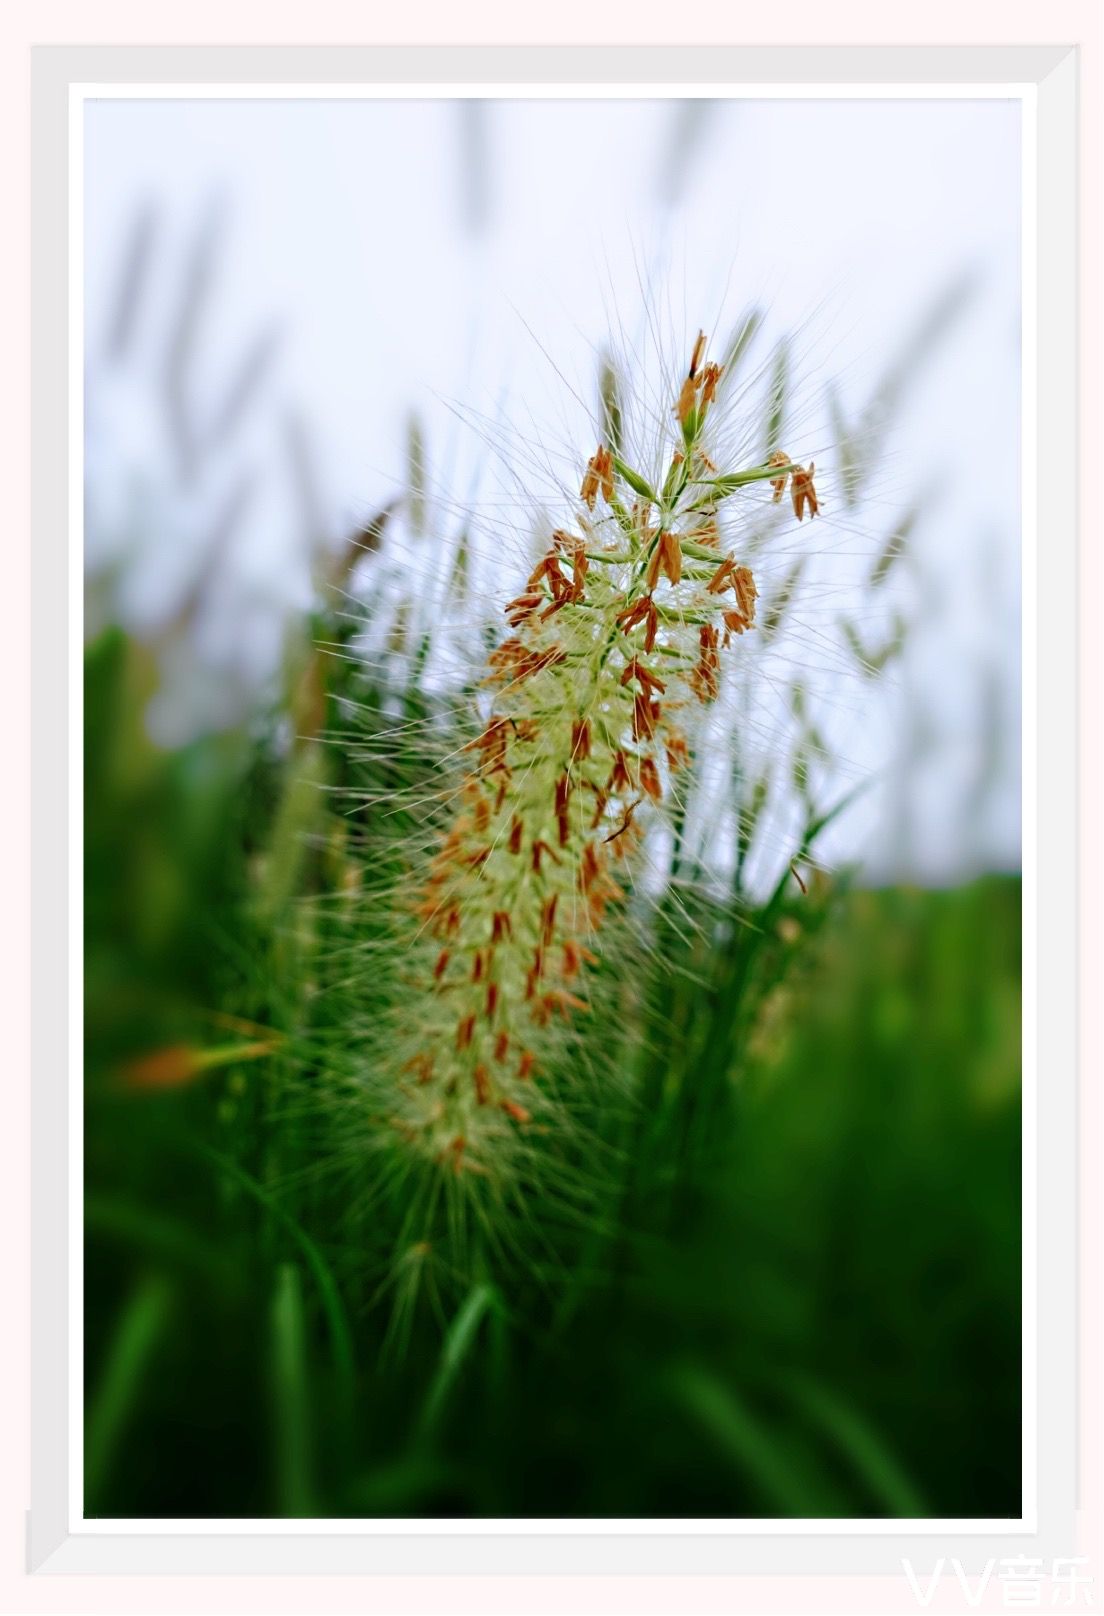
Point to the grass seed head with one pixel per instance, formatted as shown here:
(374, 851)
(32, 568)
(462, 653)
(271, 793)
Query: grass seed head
(614, 643)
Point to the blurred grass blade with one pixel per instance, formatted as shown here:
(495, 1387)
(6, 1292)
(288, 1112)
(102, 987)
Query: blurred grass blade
(293, 1485)
(416, 476)
(127, 1362)
(895, 547)
(160, 1237)
(403, 1487)
(727, 1421)
(740, 342)
(849, 466)
(873, 660)
(458, 1343)
(776, 398)
(341, 1337)
(300, 812)
(775, 614)
(609, 387)
(174, 1065)
(861, 1446)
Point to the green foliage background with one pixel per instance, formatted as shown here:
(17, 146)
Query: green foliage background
(799, 1293)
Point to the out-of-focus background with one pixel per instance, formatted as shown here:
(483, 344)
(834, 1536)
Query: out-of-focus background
(335, 353)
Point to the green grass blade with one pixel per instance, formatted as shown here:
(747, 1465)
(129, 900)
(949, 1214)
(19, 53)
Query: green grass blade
(110, 1406)
(861, 1446)
(776, 399)
(735, 1431)
(160, 1238)
(291, 1431)
(610, 389)
(741, 341)
(340, 1334)
(458, 1343)
(636, 482)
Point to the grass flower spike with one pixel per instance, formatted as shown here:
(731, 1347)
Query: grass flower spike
(613, 645)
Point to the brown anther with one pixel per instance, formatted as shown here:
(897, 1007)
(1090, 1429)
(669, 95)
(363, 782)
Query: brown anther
(492, 1000)
(547, 567)
(526, 1064)
(502, 1046)
(574, 953)
(734, 623)
(513, 663)
(646, 715)
(643, 611)
(580, 739)
(704, 680)
(482, 1084)
(517, 1112)
(672, 555)
(477, 966)
(698, 355)
(442, 965)
(589, 869)
(711, 375)
(572, 548)
(501, 926)
(540, 847)
(464, 1032)
(802, 490)
(492, 743)
(517, 830)
(666, 559)
(421, 1064)
(597, 477)
(678, 752)
(548, 920)
(721, 578)
(620, 778)
(777, 458)
(746, 593)
(648, 681)
(560, 999)
(649, 779)
(520, 610)
(687, 399)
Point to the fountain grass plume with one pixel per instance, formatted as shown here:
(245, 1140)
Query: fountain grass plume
(613, 647)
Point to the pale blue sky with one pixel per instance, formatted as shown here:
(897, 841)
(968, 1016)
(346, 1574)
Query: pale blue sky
(414, 253)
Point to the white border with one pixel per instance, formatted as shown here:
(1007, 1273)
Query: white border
(1027, 1523)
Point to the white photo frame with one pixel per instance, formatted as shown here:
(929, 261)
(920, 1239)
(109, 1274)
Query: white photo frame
(60, 1540)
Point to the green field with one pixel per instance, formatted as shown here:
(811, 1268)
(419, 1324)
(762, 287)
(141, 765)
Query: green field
(794, 1288)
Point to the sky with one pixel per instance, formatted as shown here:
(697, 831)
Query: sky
(465, 263)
